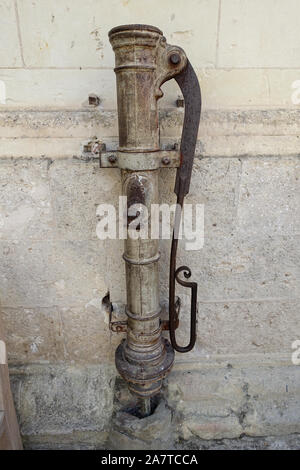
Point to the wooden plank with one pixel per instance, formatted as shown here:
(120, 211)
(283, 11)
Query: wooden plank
(2, 422)
(10, 438)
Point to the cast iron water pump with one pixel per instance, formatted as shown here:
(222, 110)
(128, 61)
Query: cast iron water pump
(144, 61)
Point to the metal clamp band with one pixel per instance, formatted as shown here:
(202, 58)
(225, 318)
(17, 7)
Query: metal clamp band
(154, 259)
(152, 316)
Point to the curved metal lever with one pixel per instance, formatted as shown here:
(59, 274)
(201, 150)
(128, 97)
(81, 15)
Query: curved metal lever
(189, 85)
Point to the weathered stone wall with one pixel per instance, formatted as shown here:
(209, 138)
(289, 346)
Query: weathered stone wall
(55, 272)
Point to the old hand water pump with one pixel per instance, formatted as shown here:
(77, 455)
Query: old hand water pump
(144, 61)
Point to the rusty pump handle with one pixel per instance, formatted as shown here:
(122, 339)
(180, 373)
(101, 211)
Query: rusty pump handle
(190, 88)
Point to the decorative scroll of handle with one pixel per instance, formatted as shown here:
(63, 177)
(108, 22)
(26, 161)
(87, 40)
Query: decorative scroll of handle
(189, 85)
(175, 276)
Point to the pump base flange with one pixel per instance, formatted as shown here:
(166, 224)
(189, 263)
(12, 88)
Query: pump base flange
(145, 381)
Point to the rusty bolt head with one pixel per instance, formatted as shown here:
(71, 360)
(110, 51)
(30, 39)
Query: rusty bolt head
(175, 58)
(166, 161)
(180, 102)
(112, 159)
(87, 148)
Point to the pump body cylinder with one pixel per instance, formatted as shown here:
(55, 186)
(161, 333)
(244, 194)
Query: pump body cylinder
(141, 66)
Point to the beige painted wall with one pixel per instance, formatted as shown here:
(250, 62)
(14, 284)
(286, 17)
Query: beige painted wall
(53, 53)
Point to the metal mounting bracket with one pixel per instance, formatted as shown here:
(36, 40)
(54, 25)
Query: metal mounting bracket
(140, 160)
(120, 326)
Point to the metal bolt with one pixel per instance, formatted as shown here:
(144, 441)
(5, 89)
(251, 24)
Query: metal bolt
(87, 148)
(175, 58)
(112, 159)
(166, 161)
(180, 102)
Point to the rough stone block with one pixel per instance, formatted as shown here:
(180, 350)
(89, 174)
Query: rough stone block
(210, 390)
(232, 268)
(116, 281)
(211, 428)
(33, 334)
(44, 274)
(65, 123)
(269, 197)
(240, 260)
(25, 200)
(87, 338)
(274, 403)
(247, 327)
(253, 398)
(59, 400)
(152, 432)
(77, 189)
